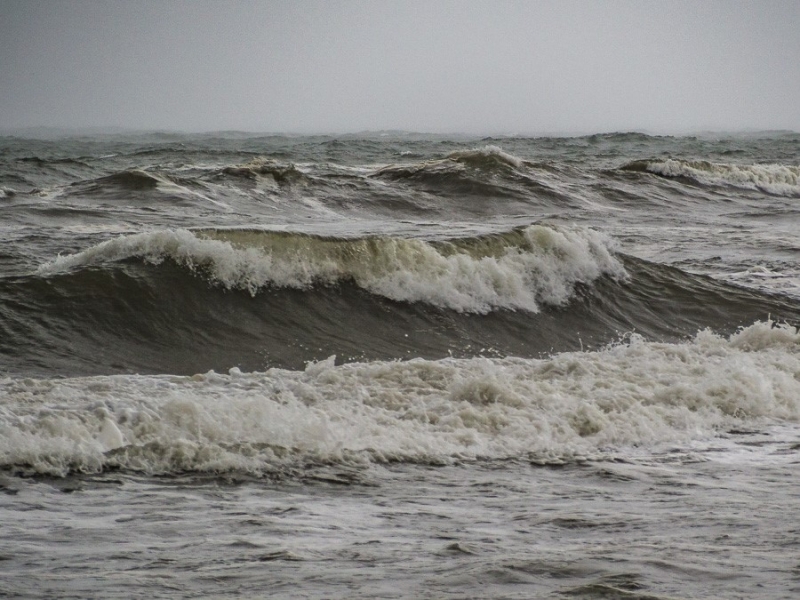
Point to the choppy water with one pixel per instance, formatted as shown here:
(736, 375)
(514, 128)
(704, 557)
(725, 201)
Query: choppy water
(397, 365)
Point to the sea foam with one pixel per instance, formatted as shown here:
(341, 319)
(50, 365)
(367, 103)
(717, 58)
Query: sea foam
(571, 406)
(779, 180)
(516, 270)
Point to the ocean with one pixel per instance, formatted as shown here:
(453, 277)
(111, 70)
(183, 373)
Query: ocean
(396, 365)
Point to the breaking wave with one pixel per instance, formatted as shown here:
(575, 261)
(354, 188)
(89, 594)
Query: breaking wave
(568, 407)
(778, 180)
(516, 270)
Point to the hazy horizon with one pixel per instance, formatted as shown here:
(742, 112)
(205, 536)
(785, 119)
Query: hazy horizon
(471, 67)
(48, 132)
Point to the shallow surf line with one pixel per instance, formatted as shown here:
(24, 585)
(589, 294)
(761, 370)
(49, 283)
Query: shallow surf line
(571, 406)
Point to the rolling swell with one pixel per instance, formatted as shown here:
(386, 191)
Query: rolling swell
(487, 172)
(132, 179)
(138, 316)
(477, 181)
(140, 186)
(283, 175)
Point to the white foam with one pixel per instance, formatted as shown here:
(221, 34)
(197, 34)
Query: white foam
(781, 180)
(578, 404)
(488, 151)
(516, 271)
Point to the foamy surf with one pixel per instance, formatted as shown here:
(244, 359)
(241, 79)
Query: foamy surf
(516, 270)
(778, 180)
(571, 406)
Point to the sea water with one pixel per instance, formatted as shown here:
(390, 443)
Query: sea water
(400, 366)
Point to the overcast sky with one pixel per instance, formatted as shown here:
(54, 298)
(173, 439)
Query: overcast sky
(551, 66)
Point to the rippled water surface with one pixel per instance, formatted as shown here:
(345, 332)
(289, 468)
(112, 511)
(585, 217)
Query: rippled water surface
(679, 524)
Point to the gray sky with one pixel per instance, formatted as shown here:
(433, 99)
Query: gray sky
(439, 66)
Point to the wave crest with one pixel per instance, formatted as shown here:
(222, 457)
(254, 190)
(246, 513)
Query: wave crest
(489, 157)
(515, 270)
(132, 179)
(778, 180)
(264, 167)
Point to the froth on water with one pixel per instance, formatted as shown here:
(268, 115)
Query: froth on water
(569, 407)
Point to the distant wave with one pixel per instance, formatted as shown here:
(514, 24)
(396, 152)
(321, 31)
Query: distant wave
(621, 136)
(481, 173)
(133, 179)
(516, 270)
(568, 407)
(489, 157)
(778, 180)
(264, 167)
(138, 185)
(52, 161)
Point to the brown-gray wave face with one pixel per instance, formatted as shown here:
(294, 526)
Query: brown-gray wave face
(187, 302)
